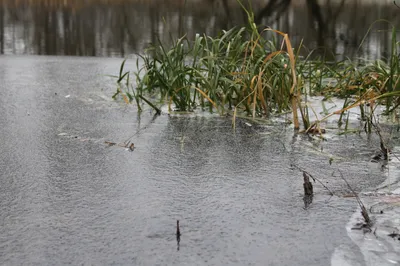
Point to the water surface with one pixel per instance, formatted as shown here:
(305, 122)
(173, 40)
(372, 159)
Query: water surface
(68, 198)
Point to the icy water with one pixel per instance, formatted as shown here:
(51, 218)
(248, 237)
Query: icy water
(123, 27)
(70, 193)
(68, 197)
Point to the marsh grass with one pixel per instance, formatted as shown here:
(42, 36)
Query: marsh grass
(238, 72)
(363, 84)
(245, 71)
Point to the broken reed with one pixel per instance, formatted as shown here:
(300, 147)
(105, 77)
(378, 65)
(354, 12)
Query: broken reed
(243, 72)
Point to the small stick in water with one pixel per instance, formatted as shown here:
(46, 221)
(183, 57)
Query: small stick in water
(308, 190)
(313, 178)
(178, 234)
(308, 187)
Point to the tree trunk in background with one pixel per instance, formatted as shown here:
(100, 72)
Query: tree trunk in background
(278, 7)
(270, 8)
(316, 14)
(1, 30)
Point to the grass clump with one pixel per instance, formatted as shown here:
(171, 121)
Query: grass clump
(239, 71)
(245, 71)
(364, 85)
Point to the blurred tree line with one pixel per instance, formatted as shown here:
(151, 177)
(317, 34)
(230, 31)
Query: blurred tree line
(123, 27)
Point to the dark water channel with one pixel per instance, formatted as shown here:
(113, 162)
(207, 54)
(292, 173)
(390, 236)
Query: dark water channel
(68, 198)
(120, 28)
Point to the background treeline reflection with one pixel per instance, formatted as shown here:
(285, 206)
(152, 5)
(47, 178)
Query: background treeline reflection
(120, 28)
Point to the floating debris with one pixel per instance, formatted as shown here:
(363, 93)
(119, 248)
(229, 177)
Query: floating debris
(316, 131)
(395, 235)
(366, 228)
(382, 155)
(131, 148)
(109, 143)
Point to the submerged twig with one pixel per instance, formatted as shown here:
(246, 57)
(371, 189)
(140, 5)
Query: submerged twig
(127, 142)
(364, 211)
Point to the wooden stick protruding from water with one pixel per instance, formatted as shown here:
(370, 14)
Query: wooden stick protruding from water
(178, 234)
(307, 185)
(312, 177)
(178, 231)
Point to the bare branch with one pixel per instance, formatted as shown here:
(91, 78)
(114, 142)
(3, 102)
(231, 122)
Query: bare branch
(314, 178)
(364, 211)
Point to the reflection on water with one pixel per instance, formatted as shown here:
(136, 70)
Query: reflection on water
(120, 28)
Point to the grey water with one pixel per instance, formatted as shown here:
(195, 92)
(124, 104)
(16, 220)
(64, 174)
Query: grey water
(67, 197)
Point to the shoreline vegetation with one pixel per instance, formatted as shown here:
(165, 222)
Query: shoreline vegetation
(255, 72)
